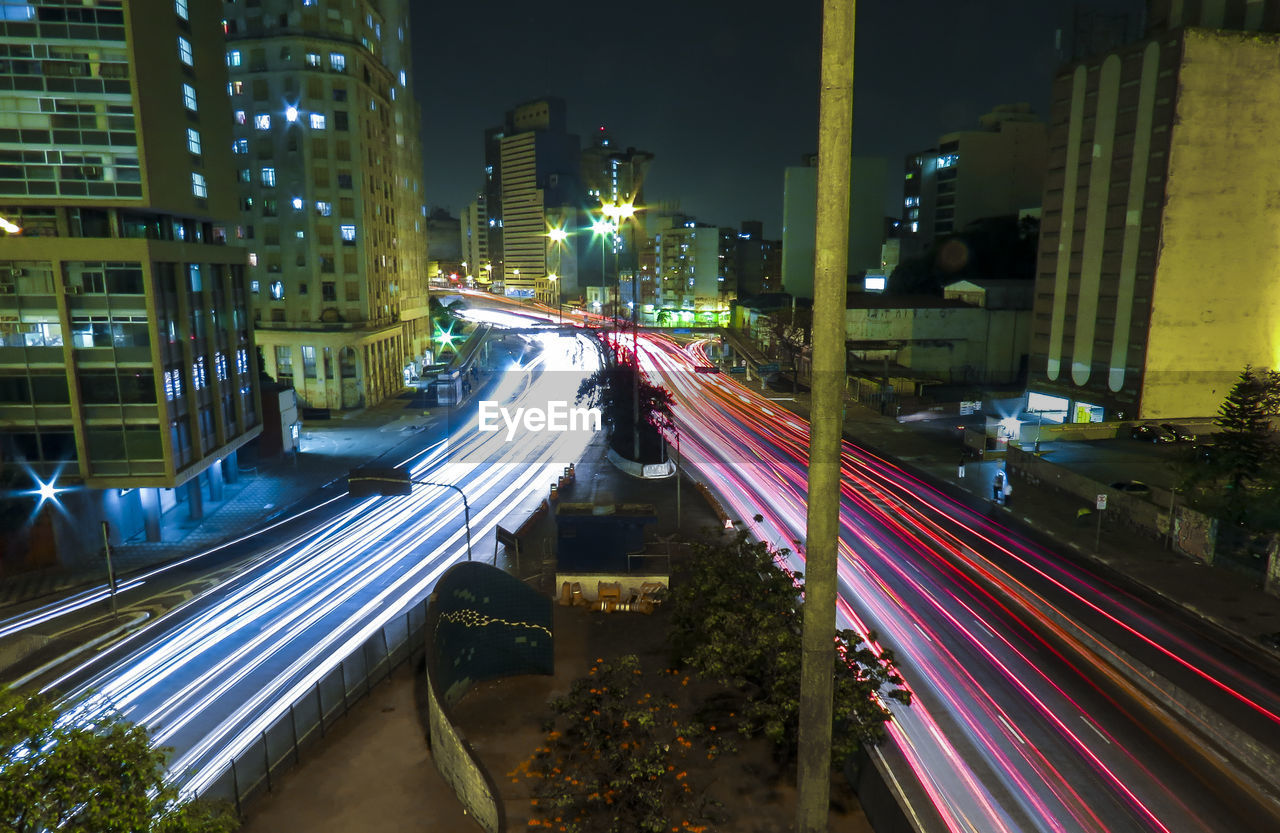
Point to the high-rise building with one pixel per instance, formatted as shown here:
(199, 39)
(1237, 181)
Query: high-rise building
(1158, 251)
(127, 358)
(868, 181)
(693, 260)
(995, 171)
(758, 261)
(329, 174)
(474, 240)
(610, 175)
(537, 169)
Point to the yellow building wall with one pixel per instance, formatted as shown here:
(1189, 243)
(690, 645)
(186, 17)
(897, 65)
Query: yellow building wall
(1215, 303)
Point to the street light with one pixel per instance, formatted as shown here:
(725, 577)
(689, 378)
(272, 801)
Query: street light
(557, 236)
(369, 481)
(620, 212)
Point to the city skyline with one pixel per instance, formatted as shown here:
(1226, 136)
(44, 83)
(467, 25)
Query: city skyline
(722, 124)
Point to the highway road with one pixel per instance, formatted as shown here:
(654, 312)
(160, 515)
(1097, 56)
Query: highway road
(1018, 724)
(207, 676)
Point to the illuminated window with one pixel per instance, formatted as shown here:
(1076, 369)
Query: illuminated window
(197, 374)
(268, 177)
(948, 159)
(184, 52)
(324, 209)
(245, 175)
(912, 201)
(189, 97)
(297, 203)
(180, 6)
(241, 117)
(317, 121)
(253, 261)
(262, 121)
(277, 290)
(337, 62)
(193, 140)
(233, 58)
(240, 146)
(348, 234)
(313, 60)
(198, 186)
(235, 88)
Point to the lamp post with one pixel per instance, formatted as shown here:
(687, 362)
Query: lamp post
(466, 507)
(619, 213)
(558, 236)
(604, 229)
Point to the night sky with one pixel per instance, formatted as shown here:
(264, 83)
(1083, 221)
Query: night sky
(724, 94)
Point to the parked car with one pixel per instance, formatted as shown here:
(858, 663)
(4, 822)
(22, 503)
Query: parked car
(1133, 487)
(1180, 433)
(1151, 434)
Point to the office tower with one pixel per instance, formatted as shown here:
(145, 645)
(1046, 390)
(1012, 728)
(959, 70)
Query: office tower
(328, 170)
(868, 181)
(994, 171)
(1157, 244)
(127, 358)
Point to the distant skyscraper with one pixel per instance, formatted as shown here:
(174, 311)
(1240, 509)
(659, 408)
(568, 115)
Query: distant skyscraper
(611, 175)
(325, 132)
(127, 359)
(758, 265)
(973, 174)
(537, 169)
(474, 234)
(1158, 250)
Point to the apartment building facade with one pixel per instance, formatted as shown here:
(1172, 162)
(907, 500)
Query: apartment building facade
(328, 171)
(128, 368)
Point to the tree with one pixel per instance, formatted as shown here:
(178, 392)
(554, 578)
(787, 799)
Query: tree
(737, 618)
(73, 771)
(1243, 445)
(789, 331)
(619, 758)
(610, 389)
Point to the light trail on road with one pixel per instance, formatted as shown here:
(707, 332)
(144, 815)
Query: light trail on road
(208, 677)
(1008, 731)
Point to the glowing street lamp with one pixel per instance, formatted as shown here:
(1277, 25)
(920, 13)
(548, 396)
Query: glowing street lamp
(8, 227)
(45, 491)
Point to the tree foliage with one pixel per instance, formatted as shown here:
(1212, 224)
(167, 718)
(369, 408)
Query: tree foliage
(618, 758)
(70, 771)
(1243, 445)
(737, 620)
(610, 389)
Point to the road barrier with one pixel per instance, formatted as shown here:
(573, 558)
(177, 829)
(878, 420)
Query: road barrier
(305, 722)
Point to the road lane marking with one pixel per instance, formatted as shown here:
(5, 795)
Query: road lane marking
(1098, 731)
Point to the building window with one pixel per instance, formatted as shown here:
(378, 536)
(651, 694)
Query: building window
(277, 290)
(324, 209)
(348, 234)
(328, 291)
(340, 120)
(234, 58)
(189, 97)
(344, 180)
(240, 146)
(297, 203)
(184, 52)
(180, 6)
(302, 288)
(317, 121)
(198, 186)
(241, 117)
(947, 160)
(337, 62)
(193, 140)
(235, 88)
(268, 177)
(313, 60)
(253, 261)
(262, 121)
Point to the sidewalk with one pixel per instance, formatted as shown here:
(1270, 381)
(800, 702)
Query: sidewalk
(262, 490)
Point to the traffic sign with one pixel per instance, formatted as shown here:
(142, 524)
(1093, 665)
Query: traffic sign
(1102, 501)
(681, 331)
(770, 368)
(738, 368)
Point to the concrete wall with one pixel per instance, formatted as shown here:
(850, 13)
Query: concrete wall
(461, 769)
(1215, 304)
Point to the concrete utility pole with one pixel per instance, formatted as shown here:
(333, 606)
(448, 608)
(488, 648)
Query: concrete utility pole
(835, 146)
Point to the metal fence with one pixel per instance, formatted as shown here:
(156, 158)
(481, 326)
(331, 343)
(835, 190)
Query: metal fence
(307, 719)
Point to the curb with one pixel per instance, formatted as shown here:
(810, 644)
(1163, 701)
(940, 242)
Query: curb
(77, 651)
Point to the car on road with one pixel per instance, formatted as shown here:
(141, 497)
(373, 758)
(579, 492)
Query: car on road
(1133, 487)
(1180, 433)
(1152, 434)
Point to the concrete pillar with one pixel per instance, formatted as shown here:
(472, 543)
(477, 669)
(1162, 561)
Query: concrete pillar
(231, 467)
(214, 475)
(195, 499)
(150, 499)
